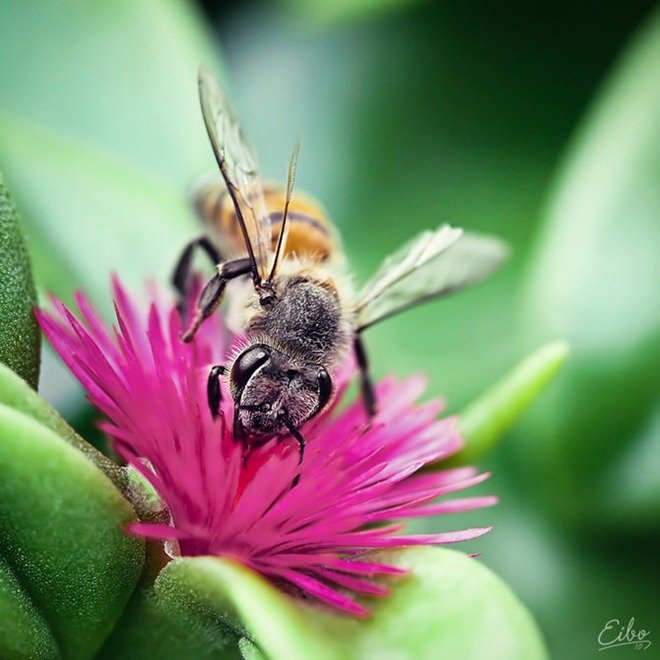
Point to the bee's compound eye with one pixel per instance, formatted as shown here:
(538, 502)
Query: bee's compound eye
(247, 363)
(325, 388)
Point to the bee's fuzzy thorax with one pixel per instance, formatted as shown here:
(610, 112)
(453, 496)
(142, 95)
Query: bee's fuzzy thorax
(310, 319)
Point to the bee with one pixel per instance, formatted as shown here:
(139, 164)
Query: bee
(284, 259)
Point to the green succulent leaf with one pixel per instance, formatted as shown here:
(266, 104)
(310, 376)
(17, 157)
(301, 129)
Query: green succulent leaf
(20, 340)
(17, 394)
(120, 75)
(169, 620)
(595, 279)
(24, 633)
(87, 214)
(484, 421)
(449, 606)
(62, 536)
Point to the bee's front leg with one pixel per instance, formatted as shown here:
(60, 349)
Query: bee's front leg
(366, 386)
(298, 436)
(239, 433)
(213, 391)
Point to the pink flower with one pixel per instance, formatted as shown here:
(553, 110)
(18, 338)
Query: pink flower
(355, 480)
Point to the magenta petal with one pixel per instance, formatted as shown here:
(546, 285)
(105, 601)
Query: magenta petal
(151, 388)
(324, 593)
(440, 538)
(355, 584)
(367, 568)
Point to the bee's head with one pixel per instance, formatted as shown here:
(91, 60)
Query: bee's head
(274, 392)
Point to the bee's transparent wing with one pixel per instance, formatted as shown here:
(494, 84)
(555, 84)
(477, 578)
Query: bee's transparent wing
(433, 265)
(239, 169)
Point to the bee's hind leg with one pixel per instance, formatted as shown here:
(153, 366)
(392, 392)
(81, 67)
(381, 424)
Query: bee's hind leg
(182, 276)
(366, 386)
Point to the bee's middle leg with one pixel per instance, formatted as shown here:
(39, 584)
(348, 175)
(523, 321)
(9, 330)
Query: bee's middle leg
(366, 386)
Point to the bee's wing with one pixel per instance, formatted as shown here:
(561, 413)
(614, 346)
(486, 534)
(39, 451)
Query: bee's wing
(239, 169)
(432, 265)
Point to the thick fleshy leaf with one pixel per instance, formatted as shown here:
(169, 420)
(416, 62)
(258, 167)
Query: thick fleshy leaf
(491, 415)
(62, 530)
(17, 394)
(23, 631)
(118, 75)
(20, 338)
(169, 620)
(449, 606)
(595, 280)
(87, 214)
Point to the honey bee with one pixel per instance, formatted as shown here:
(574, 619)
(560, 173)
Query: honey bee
(298, 313)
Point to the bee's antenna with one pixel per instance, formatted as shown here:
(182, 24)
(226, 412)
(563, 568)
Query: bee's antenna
(290, 180)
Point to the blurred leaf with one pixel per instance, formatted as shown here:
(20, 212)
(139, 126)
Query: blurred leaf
(597, 269)
(17, 394)
(20, 339)
(595, 279)
(630, 491)
(23, 631)
(325, 13)
(450, 606)
(484, 421)
(61, 527)
(87, 214)
(118, 75)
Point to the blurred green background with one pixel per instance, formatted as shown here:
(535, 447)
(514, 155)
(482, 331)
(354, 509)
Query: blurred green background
(538, 122)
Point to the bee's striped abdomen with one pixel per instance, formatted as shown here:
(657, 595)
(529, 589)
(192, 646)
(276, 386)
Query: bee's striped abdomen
(310, 233)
